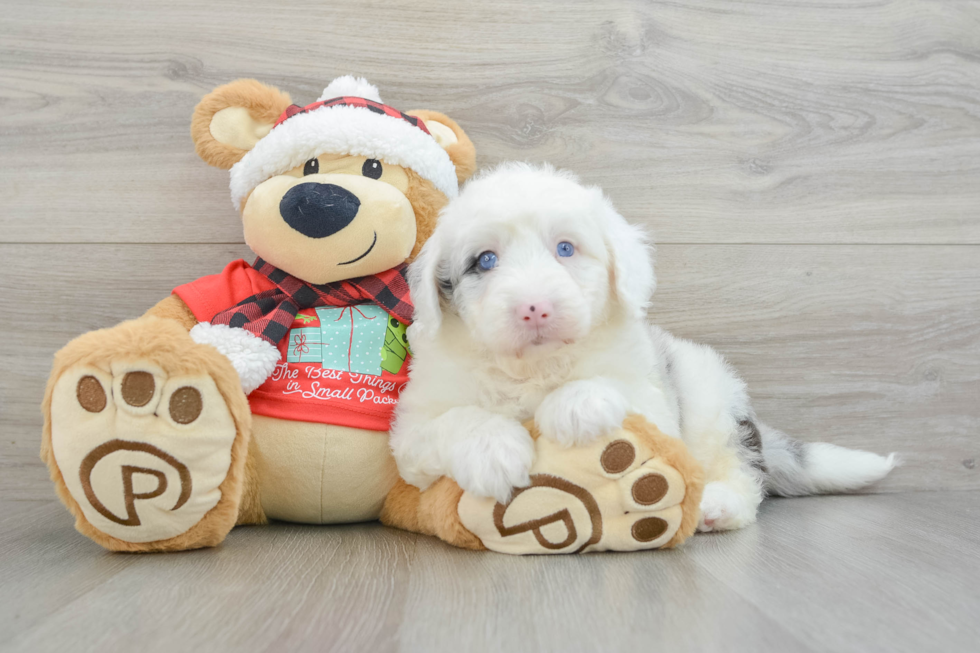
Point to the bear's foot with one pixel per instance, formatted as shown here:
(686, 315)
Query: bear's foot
(145, 437)
(632, 489)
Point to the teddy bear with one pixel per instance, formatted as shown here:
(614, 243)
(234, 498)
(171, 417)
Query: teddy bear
(265, 392)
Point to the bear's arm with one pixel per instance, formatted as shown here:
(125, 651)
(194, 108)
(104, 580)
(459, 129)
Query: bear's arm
(174, 308)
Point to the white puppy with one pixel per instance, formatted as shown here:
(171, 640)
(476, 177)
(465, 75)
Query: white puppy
(530, 301)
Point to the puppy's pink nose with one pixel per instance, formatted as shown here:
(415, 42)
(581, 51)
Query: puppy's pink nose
(536, 314)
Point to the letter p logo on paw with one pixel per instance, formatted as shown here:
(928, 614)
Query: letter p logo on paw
(129, 495)
(143, 454)
(564, 503)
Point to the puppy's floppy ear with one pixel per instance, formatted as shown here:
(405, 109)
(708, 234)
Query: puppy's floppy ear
(424, 283)
(631, 264)
(453, 139)
(231, 119)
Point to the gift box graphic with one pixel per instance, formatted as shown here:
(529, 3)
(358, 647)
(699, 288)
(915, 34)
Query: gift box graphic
(361, 339)
(352, 337)
(304, 346)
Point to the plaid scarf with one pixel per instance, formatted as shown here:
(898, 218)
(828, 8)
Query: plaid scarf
(269, 314)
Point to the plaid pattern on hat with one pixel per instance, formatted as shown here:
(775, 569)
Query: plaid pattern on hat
(268, 315)
(346, 101)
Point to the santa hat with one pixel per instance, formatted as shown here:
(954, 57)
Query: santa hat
(349, 118)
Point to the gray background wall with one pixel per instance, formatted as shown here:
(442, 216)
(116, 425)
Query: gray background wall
(811, 171)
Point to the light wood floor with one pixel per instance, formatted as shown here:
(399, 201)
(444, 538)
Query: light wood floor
(811, 171)
(890, 573)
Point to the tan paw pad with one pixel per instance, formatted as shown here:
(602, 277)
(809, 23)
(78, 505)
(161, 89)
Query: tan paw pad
(613, 494)
(143, 454)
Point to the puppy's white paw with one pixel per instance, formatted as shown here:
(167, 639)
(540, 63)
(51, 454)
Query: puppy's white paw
(724, 509)
(493, 459)
(581, 411)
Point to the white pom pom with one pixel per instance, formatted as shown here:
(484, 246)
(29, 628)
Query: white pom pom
(350, 85)
(252, 357)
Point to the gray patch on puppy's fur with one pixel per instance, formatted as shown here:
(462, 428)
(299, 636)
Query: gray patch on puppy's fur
(798, 449)
(751, 441)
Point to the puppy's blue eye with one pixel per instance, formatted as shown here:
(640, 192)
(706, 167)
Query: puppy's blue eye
(487, 261)
(565, 248)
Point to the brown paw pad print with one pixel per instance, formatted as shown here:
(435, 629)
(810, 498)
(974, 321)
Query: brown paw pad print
(186, 405)
(137, 390)
(617, 456)
(90, 394)
(648, 529)
(646, 489)
(650, 489)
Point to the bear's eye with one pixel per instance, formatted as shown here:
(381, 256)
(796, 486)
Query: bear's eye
(312, 167)
(565, 249)
(487, 261)
(372, 169)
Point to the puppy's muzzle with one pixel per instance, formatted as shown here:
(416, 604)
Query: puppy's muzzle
(318, 210)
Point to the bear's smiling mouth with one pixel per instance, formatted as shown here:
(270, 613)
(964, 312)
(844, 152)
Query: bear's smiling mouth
(355, 260)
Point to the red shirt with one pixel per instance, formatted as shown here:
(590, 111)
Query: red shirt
(343, 366)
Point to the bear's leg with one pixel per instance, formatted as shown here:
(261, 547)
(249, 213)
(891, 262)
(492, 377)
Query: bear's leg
(633, 489)
(401, 509)
(433, 512)
(250, 511)
(146, 437)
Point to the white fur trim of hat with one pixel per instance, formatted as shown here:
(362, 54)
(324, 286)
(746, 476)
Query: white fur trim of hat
(353, 130)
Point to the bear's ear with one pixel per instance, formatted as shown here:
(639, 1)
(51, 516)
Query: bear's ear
(453, 139)
(231, 119)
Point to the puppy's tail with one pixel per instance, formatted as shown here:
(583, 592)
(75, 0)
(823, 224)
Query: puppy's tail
(799, 468)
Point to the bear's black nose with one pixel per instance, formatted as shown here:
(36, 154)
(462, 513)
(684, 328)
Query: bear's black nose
(318, 210)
